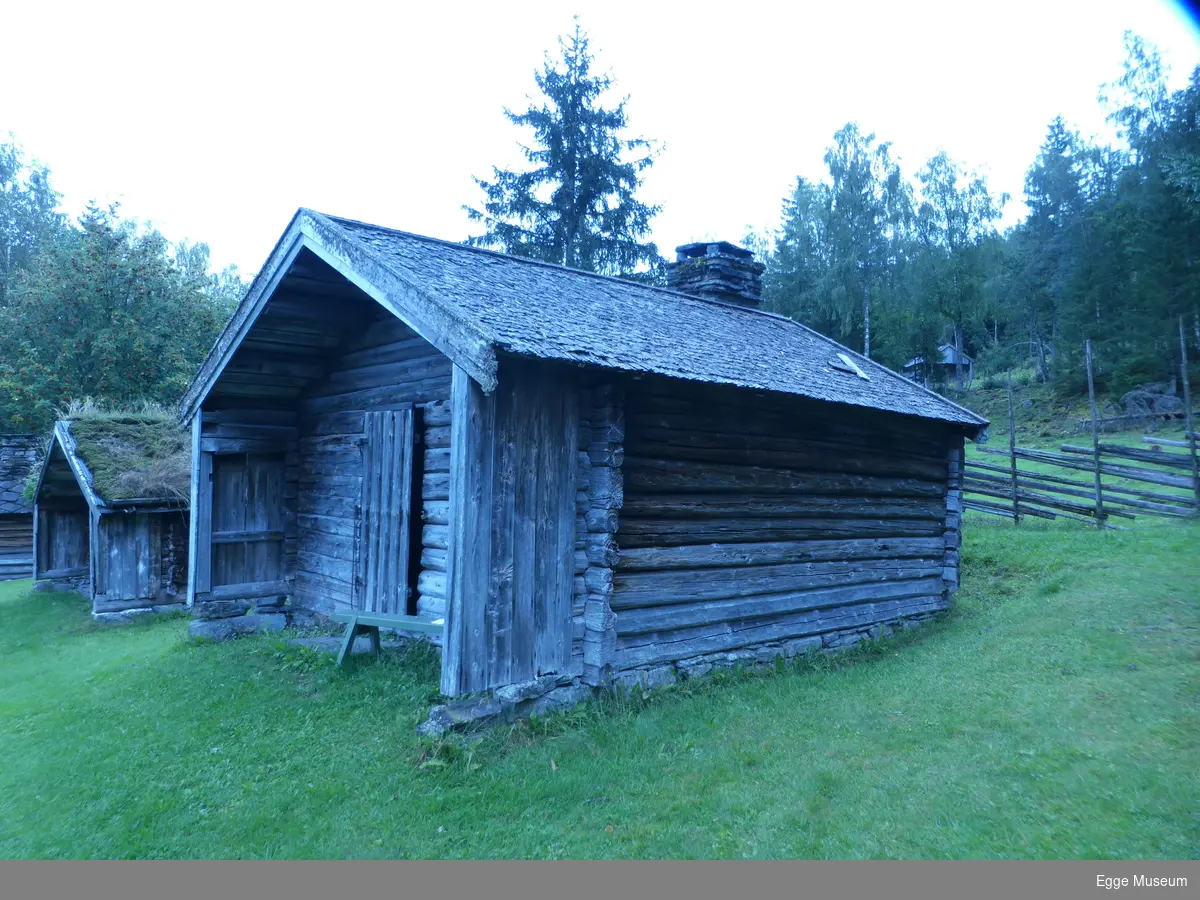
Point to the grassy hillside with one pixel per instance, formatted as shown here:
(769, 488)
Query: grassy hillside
(1055, 713)
(1042, 412)
(1038, 410)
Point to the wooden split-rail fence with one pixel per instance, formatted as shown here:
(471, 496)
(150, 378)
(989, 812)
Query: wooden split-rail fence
(1133, 481)
(1161, 479)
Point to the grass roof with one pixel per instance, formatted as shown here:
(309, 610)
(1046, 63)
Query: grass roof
(132, 453)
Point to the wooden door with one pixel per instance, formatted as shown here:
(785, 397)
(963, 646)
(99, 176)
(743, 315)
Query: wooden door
(62, 537)
(246, 519)
(128, 557)
(385, 510)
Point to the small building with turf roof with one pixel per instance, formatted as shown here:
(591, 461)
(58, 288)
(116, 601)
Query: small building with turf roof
(18, 456)
(110, 512)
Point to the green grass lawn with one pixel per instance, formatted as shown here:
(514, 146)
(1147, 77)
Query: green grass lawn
(1055, 713)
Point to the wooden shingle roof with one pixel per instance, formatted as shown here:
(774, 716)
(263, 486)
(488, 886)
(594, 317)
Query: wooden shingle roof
(484, 303)
(18, 455)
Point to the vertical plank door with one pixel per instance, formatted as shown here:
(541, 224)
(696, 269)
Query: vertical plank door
(385, 511)
(127, 556)
(246, 520)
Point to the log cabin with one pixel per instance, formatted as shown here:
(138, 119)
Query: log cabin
(18, 455)
(943, 368)
(585, 481)
(101, 536)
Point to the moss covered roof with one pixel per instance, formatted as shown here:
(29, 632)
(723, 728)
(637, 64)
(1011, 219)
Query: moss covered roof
(138, 454)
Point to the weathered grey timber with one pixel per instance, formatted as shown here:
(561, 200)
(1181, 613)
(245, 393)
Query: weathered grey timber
(128, 556)
(1162, 458)
(1133, 473)
(978, 469)
(511, 530)
(18, 455)
(580, 481)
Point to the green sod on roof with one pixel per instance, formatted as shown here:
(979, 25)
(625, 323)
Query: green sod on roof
(138, 453)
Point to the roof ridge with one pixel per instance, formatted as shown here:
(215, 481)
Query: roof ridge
(525, 260)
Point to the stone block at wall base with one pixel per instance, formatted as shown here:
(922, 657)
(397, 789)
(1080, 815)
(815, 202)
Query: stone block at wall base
(125, 615)
(76, 586)
(515, 701)
(299, 617)
(128, 615)
(516, 693)
(227, 629)
(221, 609)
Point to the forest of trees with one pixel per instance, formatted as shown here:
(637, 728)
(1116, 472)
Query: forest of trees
(99, 307)
(896, 266)
(890, 263)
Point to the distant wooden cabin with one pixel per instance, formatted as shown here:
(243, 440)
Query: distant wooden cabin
(587, 480)
(127, 554)
(18, 455)
(944, 368)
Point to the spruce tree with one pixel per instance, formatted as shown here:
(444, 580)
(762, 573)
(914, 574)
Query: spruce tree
(576, 204)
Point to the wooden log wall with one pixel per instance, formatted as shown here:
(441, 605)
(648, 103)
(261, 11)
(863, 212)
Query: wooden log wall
(435, 503)
(319, 355)
(62, 526)
(18, 455)
(16, 546)
(748, 519)
(955, 466)
(128, 561)
(599, 498)
(384, 367)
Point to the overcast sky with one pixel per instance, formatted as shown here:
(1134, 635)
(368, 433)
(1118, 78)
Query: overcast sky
(215, 120)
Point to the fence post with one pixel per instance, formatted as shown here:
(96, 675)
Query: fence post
(1095, 434)
(1012, 450)
(1190, 434)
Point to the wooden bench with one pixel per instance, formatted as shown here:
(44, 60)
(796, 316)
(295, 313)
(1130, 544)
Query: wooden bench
(369, 623)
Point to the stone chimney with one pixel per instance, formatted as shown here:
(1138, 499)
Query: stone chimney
(717, 270)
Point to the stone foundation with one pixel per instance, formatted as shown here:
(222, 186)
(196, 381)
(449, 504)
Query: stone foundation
(128, 615)
(513, 701)
(78, 585)
(222, 620)
(763, 655)
(104, 610)
(554, 694)
(228, 628)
